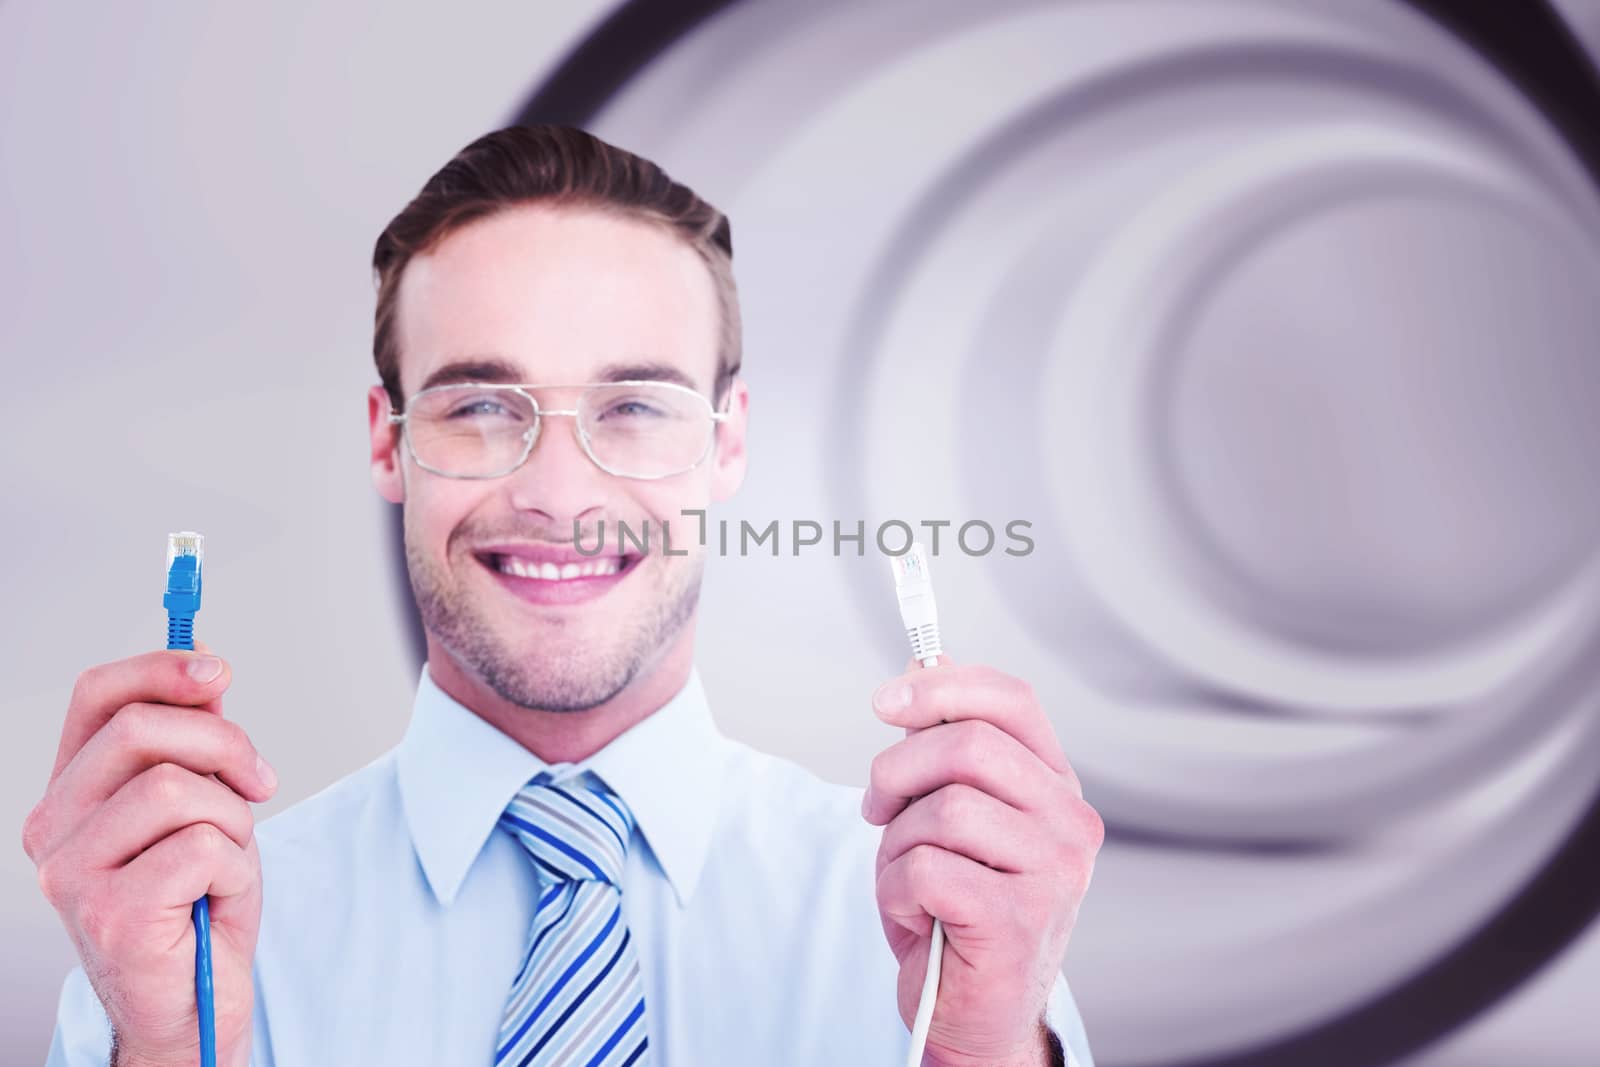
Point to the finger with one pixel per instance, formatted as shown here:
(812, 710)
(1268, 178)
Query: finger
(142, 735)
(196, 861)
(155, 804)
(927, 883)
(968, 822)
(970, 752)
(161, 677)
(139, 737)
(924, 698)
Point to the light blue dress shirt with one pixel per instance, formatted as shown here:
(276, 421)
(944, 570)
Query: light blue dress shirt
(395, 912)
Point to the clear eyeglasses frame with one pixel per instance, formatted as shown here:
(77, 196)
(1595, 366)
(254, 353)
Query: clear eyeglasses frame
(691, 420)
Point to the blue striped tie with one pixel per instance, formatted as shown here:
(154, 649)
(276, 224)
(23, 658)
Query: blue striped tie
(578, 1000)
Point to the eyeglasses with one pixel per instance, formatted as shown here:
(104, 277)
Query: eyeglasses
(632, 429)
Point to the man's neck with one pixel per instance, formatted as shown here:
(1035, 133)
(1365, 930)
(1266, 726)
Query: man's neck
(569, 736)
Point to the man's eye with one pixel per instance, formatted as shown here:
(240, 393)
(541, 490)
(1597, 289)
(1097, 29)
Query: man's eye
(631, 409)
(479, 407)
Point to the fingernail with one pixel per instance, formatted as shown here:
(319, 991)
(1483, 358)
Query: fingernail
(866, 800)
(204, 668)
(264, 771)
(891, 697)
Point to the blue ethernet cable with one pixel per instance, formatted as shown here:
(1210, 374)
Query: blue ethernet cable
(185, 551)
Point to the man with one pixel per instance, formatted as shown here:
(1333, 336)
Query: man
(563, 861)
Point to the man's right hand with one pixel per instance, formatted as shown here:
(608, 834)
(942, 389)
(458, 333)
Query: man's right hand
(133, 829)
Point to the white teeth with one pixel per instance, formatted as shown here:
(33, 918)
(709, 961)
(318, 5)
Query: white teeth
(550, 572)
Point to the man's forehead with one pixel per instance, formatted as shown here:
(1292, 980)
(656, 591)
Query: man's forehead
(557, 297)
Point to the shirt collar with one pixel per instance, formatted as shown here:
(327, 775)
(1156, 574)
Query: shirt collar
(457, 773)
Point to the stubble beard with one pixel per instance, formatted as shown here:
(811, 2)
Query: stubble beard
(560, 670)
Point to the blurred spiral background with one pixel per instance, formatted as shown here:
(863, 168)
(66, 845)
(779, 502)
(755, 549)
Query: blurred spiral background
(1275, 318)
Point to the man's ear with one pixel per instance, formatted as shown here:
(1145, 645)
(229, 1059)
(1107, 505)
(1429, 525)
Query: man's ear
(728, 458)
(388, 476)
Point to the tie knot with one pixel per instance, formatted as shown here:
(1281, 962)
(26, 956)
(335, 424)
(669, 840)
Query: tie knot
(576, 830)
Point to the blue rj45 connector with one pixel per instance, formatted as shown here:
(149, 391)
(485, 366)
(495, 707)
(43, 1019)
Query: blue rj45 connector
(184, 553)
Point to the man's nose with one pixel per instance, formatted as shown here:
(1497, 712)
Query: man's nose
(558, 478)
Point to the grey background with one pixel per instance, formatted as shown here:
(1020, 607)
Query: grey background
(1275, 318)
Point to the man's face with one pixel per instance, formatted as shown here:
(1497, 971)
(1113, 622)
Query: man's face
(565, 296)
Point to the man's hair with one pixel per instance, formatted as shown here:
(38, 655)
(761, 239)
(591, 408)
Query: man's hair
(558, 165)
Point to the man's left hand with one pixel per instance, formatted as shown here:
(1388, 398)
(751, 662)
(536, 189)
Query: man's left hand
(985, 828)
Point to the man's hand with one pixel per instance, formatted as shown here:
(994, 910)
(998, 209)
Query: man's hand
(146, 811)
(986, 829)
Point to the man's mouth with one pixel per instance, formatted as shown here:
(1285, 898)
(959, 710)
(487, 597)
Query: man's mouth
(553, 572)
(551, 576)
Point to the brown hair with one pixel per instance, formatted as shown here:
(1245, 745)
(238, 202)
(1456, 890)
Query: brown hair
(554, 164)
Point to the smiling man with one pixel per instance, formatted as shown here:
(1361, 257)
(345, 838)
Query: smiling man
(563, 861)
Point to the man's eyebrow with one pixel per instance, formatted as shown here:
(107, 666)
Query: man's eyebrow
(647, 372)
(477, 369)
(495, 369)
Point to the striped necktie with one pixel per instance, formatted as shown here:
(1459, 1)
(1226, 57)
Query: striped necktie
(578, 1000)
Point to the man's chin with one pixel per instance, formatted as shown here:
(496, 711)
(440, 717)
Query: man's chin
(557, 675)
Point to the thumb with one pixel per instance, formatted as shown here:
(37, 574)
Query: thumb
(214, 705)
(913, 665)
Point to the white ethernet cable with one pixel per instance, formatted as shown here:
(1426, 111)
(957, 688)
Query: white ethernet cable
(920, 614)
